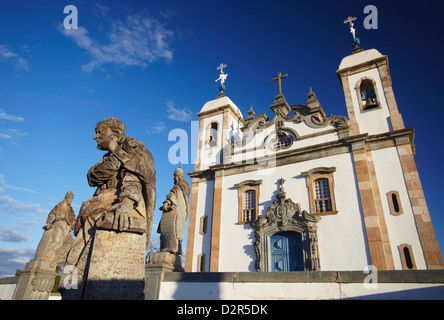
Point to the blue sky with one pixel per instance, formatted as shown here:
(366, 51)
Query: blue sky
(152, 64)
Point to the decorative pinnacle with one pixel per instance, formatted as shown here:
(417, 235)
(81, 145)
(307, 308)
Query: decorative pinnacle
(282, 193)
(222, 78)
(251, 111)
(311, 94)
(355, 41)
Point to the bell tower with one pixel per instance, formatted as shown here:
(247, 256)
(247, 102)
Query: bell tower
(373, 111)
(220, 123)
(369, 97)
(367, 86)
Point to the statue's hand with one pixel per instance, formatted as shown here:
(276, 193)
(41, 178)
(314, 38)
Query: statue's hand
(167, 206)
(122, 215)
(47, 227)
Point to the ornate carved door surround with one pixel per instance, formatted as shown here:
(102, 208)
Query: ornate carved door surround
(284, 215)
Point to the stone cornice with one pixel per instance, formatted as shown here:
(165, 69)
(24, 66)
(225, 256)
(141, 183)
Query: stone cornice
(362, 66)
(205, 114)
(331, 148)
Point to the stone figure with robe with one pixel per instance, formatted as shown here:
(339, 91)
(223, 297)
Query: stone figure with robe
(113, 227)
(37, 279)
(175, 213)
(59, 224)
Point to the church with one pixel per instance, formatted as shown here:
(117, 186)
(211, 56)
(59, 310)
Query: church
(302, 190)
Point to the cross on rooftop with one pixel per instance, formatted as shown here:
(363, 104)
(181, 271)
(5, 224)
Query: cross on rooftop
(221, 67)
(355, 41)
(279, 77)
(352, 29)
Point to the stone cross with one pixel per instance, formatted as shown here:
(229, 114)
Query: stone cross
(221, 67)
(352, 29)
(279, 77)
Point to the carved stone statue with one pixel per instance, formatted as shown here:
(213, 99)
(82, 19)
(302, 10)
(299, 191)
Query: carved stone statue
(37, 279)
(112, 230)
(59, 224)
(175, 213)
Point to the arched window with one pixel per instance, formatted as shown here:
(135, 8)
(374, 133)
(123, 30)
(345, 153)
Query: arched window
(212, 139)
(249, 206)
(282, 142)
(394, 203)
(320, 184)
(368, 95)
(322, 195)
(407, 259)
(201, 262)
(248, 200)
(203, 225)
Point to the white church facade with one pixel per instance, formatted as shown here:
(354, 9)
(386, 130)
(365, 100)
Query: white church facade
(305, 191)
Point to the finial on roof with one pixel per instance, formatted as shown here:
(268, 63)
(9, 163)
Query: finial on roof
(278, 79)
(222, 78)
(311, 94)
(282, 193)
(251, 113)
(356, 42)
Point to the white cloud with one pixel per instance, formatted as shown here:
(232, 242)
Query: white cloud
(10, 117)
(12, 205)
(12, 259)
(137, 41)
(11, 134)
(7, 199)
(8, 186)
(178, 114)
(9, 234)
(158, 128)
(9, 56)
(28, 207)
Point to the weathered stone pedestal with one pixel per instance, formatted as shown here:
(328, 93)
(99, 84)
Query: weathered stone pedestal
(112, 268)
(36, 280)
(159, 264)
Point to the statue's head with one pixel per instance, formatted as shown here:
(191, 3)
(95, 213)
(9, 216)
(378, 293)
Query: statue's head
(69, 196)
(178, 174)
(109, 134)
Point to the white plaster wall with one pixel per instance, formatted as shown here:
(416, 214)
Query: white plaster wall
(315, 140)
(300, 291)
(256, 147)
(7, 291)
(341, 239)
(374, 121)
(202, 243)
(401, 229)
(235, 130)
